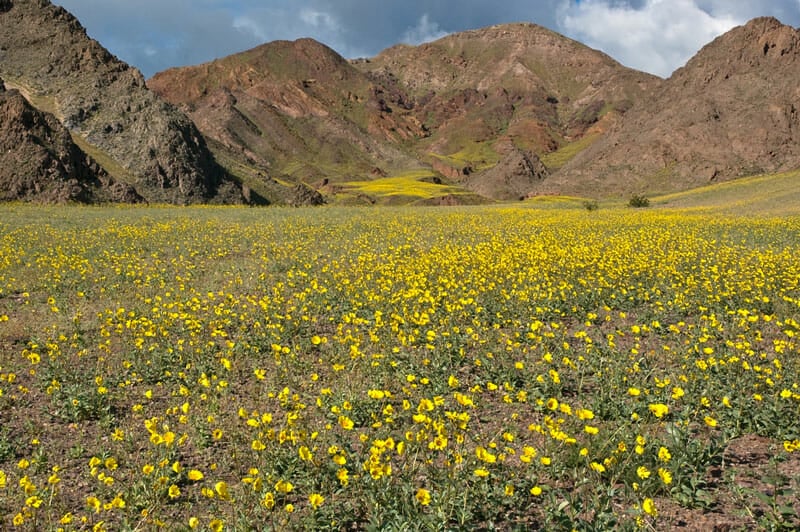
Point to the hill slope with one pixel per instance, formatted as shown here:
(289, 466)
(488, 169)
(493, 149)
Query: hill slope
(45, 52)
(521, 82)
(40, 162)
(458, 106)
(296, 110)
(731, 111)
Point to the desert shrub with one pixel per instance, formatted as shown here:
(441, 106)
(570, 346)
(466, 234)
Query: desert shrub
(638, 202)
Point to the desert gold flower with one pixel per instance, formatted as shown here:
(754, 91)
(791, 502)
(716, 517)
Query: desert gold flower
(221, 489)
(649, 507)
(283, 486)
(346, 423)
(316, 500)
(599, 468)
(664, 455)
(305, 454)
(423, 496)
(268, 500)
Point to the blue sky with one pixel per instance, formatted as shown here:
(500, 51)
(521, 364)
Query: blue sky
(656, 36)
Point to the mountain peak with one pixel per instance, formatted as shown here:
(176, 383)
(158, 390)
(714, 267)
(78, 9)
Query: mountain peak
(730, 111)
(760, 39)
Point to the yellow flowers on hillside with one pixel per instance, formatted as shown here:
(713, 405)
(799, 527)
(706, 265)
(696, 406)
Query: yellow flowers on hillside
(491, 366)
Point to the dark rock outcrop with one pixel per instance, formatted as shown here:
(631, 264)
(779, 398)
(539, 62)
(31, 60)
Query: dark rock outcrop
(46, 53)
(305, 196)
(514, 177)
(40, 162)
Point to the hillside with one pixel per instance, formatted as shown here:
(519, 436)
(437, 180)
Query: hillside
(731, 111)
(40, 162)
(136, 136)
(519, 82)
(294, 110)
(458, 107)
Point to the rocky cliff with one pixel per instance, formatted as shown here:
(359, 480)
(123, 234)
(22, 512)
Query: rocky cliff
(40, 162)
(134, 134)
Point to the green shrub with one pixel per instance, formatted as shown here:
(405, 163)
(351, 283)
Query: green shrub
(638, 202)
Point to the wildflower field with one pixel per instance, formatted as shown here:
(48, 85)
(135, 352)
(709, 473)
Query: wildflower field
(505, 367)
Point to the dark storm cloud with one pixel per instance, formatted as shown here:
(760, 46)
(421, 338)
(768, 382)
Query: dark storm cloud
(653, 35)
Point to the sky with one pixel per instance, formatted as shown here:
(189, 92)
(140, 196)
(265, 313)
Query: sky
(656, 36)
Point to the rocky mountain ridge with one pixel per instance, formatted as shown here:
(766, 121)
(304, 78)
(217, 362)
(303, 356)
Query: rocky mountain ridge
(503, 112)
(152, 146)
(455, 107)
(731, 111)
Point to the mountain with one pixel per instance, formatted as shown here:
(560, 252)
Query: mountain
(514, 82)
(459, 109)
(294, 110)
(137, 137)
(39, 161)
(732, 110)
(498, 113)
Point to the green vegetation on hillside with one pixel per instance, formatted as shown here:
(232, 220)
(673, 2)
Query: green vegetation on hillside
(407, 184)
(771, 194)
(556, 159)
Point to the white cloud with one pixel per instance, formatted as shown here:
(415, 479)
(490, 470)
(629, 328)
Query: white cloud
(319, 20)
(250, 26)
(657, 37)
(426, 30)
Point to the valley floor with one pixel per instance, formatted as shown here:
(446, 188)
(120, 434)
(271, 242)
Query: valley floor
(523, 366)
